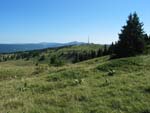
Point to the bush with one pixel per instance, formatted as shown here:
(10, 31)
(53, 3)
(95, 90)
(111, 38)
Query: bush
(42, 58)
(55, 61)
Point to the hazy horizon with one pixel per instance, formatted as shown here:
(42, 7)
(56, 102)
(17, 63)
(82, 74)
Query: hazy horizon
(62, 21)
(45, 42)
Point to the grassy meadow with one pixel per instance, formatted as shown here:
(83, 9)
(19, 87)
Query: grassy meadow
(98, 85)
(39, 76)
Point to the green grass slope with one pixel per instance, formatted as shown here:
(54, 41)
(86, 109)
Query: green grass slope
(66, 54)
(85, 87)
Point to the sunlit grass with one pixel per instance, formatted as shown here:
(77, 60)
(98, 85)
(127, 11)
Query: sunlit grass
(84, 87)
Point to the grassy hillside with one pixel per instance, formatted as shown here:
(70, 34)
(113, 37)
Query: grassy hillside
(99, 85)
(66, 54)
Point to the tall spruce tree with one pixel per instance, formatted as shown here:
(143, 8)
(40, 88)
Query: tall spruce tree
(147, 40)
(111, 48)
(105, 52)
(131, 39)
(99, 53)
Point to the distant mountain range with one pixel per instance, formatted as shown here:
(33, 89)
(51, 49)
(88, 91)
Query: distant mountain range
(7, 48)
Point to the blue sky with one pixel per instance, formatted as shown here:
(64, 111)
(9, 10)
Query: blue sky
(32, 21)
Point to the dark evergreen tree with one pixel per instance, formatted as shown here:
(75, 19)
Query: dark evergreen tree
(86, 55)
(53, 59)
(99, 53)
(76, 57)
(131, 39)
(105, 52)
(93, 54)
(111, 48)
(147, 39)
(81, 58)
(89, 55)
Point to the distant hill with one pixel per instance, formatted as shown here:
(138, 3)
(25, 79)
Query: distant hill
(7, 48)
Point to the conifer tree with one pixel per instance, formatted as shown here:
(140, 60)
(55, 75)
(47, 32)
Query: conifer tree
(131, 39)
(93, 54)
(105, 52)
(111, 48)
(147, 40)
(99, 53)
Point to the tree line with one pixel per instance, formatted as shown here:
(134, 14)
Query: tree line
(86, 55)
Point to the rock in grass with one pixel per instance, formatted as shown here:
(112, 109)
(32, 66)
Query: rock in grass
(111, 72)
